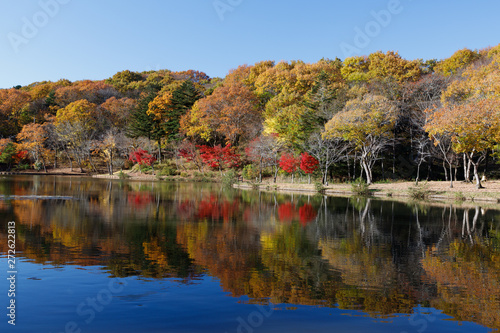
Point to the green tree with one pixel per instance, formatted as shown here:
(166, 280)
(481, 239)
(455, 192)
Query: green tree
(7, 152)
(145, 124)
(169, 107)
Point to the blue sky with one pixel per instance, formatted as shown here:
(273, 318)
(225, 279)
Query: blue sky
(93, 39)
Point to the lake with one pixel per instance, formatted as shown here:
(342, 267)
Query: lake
(96, 255)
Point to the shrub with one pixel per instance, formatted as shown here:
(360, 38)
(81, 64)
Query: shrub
(168, 170)
(360, 187)
(38, 165)
(250, 172)
(459, 196)
(123, 175)
(319, 187)
(229, 178)
(127, 164)
(419, 192)
(22, 166)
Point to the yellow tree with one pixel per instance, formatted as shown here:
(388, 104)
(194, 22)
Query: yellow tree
(474, 128)
(286, 118)
(367, 124)
(159, 105)
(355, 69)
(458, 61)
(76, 126)
(108, 147)
(477, 81)
(32, 138)
(392, 65)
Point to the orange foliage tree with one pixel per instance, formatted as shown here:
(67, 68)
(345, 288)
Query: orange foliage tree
(474, 128)
(32, 138)
(230, 113)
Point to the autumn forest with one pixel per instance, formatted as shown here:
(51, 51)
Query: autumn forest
(376, 117)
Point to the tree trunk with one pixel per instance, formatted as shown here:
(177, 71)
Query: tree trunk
(55, 159)
(451, 177)
(43, 164)
(111, 163)
(467, 168)
(476, 175)
(354, 167)
(92, 163)
(394, 157)
(159, 150)
(418, 173)
(260, 171)
(368, 172)
(348, 167)
(70, 160)
(445, 171)
(486, 166)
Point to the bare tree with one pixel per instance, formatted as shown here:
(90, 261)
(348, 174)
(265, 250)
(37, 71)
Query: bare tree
(265, 151)
(420, 97)
(326, 151)
(422, 146)
(112, 147)
(78, 138)
(444, 145)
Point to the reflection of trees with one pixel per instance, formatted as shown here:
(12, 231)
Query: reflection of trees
(467, 271)
(362, 255)
(228, 252)
(355, 253)
(293, 270)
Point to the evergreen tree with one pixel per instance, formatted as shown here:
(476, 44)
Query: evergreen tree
(144, 124)
(183, 98)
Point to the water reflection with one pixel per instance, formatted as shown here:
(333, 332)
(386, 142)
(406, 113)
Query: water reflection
(377, 256)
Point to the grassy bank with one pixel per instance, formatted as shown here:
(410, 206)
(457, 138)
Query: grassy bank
(432, 191)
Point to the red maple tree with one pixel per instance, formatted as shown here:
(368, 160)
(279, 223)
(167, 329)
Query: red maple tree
(141, 157)
(20, 155)
(188, 151)
(219, 157)
(289, 163)
(308, 164)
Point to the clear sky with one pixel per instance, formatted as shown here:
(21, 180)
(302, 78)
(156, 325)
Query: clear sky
(93, 39)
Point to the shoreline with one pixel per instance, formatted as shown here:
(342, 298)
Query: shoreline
(434, 190)
(439, 191)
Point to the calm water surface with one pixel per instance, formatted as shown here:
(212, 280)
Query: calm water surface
(111, 256)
